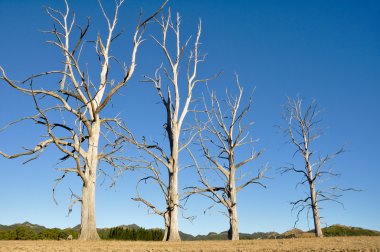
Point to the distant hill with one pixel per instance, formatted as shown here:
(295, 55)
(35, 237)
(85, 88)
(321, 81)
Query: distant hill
(186, 237)
(77, 228)
(41, 232)
(264, 235)
(131, 226)
(29, 231)
(341, 230)
(35, 227)
(333, 230)
(292, 233)
(224, 236)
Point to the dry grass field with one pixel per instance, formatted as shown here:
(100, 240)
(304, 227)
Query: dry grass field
(300, 244)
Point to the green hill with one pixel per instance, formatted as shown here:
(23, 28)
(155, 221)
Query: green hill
(243, 236)
(341, 230)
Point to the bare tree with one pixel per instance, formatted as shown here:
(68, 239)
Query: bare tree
(303, 130)
(222, 139)
(71, 111)
(154, 175)
(168, 158)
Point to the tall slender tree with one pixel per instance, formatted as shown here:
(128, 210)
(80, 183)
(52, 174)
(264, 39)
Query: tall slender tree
(223, 137)
(70, 111)
(177, 87)
(303, 130)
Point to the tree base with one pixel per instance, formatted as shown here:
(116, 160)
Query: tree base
(173, 237)
(89, 236)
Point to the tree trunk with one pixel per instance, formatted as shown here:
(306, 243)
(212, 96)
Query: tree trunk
(233, 232)
(313, 195)
(173, 234)
(88, 223)
(167, 224)
(314, 206)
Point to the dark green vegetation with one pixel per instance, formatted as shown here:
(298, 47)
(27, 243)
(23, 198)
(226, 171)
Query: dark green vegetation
(340, 230)
(334, 230)
(132, 234)
(224, 236)
(28, 231)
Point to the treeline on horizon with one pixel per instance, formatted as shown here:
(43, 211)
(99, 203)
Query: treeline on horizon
(25, 232)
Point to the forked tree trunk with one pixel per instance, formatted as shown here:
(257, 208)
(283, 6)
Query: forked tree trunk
(314, 206)
(233, 232)
(88, 223)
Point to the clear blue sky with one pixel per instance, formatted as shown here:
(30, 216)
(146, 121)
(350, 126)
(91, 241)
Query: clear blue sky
(324, 50)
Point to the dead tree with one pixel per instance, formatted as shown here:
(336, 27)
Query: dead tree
(303, 130)
(154, 175)
(70, 111)
(222, 138)
(177, 87)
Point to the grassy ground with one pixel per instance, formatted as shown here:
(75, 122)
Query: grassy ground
(300, 244)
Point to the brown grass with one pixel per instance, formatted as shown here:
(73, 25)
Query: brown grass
(300, 244)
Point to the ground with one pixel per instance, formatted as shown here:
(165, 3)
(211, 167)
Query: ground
(299, 244)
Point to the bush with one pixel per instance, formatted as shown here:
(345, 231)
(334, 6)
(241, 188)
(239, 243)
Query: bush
(8, 235)
(25, 233)
(139, 234)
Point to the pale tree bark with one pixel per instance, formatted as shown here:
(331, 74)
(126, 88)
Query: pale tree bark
(314, 207)
(303, 130)
(88, 221)
(220, 138)
(156, 177)
(178, 88)
(173, 232)
(175, 114)
(71, 111)
(233, 232)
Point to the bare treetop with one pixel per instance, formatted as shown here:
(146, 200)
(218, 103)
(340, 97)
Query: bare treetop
(71, 110)
(223, 138)
(303, 130)
(175, 91)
